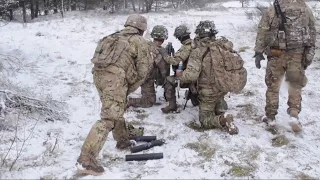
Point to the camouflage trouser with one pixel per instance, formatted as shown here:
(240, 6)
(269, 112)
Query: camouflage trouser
(212, 107)
(112, 89)
(148, 95)
(288, 64)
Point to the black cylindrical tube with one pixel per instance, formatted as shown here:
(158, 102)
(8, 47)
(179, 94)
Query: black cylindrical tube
(143, 138)
(146, 146)
(144, 157)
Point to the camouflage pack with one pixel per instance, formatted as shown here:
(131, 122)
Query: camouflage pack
(229, 75)
(109, 49)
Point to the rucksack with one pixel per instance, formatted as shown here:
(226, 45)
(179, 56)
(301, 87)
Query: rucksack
(110, 48)
(228, 73)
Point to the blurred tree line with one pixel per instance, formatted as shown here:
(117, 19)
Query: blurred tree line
(35, 8)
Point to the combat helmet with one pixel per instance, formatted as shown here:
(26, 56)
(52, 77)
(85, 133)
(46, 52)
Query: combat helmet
(159, 32)
(206, 29)
(137, 21)
(181, 31)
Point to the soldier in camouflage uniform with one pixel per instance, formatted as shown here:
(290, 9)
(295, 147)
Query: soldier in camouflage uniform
(289, 51)
(115, 78)
(198, 70)
(161, 68)
(183, 34)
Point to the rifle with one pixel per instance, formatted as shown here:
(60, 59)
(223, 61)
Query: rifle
(180, 67)
(170, 49)
(282, 21)
(187, 97)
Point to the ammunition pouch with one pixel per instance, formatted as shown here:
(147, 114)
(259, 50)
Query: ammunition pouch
(282, 40)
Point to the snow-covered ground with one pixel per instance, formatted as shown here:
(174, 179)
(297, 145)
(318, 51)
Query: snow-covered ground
(56, 57)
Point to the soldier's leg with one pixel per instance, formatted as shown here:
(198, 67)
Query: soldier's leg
(295, 76)
(170, 95)
(148, 95)
(113, 101)
(221, 106)
(207, 116)
(273, 78)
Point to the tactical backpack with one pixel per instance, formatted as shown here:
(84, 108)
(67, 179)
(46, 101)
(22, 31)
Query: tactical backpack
(229, 75)
(109, 49)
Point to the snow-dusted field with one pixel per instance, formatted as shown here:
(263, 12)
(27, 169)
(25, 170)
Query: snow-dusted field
(56, 55)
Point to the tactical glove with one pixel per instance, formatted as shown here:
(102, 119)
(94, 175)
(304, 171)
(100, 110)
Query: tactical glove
(308, 56)
(258, 58)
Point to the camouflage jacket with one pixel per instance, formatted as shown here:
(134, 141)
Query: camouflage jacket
(181, 55)
(268, 27)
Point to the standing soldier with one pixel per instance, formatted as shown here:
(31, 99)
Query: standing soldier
(200, 69)
(183, 34)
(287, 35)
(121, 63)
(160, 70)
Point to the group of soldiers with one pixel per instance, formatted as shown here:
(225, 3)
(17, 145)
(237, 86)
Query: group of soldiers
(125, 61)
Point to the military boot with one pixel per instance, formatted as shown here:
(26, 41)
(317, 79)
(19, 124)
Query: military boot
(170, 108)
(270, 121)
(90, 165)
(271, 124)
(227, 122)
(294, 121)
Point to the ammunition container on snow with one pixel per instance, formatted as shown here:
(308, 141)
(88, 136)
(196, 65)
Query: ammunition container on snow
(148, 145)
(143, 138)
(144, 157)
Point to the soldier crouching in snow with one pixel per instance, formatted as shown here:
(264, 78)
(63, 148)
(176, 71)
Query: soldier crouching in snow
(287, 35)
(182, 33)
(160, 70)
(201, 61)
(121, 64)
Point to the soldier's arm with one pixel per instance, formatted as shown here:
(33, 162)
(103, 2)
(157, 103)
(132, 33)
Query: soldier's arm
(312, 27)
(140, 51)
(192, 72)
(181, 55)
(263, 29)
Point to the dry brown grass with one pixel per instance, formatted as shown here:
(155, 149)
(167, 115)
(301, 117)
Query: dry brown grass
(203, 148)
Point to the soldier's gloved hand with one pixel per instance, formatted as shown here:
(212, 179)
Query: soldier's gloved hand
(179, 73)
(258, 58)
(308, 56)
